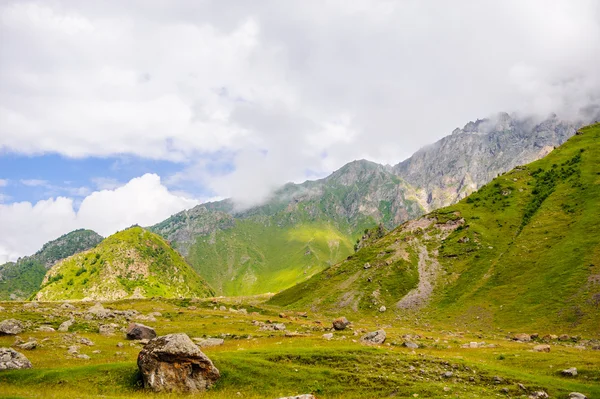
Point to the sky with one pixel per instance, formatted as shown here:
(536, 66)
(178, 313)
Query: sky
(121, 112)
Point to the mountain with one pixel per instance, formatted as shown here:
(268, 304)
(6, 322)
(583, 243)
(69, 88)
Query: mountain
(523, 251)
(460, 163)
(300, 230)
(303, 228)
(18, 280)
(133, 263)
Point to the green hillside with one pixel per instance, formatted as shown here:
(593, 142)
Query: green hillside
(522, 251)
(19, 280)
(129, 264)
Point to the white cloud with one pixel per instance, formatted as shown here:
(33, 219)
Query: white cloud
(283, 86)
(34, 182)
(3, 182)
(143, 200)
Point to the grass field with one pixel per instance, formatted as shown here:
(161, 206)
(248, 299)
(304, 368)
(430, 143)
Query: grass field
(269, 364)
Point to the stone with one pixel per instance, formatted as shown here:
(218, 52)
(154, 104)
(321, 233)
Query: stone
(119, 344)
(305, 396)
(382, 309)
(542, 348)
(340, 323)
(498, 380)
(140, 331)
(28, 345)
(328, 336)
(522, 337)
(208, 342)
(65, 325)
(173, 363)
(222, 308)
(577, 395)
(11, 359)
(570, 372)
(375, 337)
(539, 395)
(107, 329)
(11, 327)
(410, 345)
(279, 327)
(83, 356)
(564, 337)
(447, 374)
(67, 305)
(86, 341)
(45, 328)
(73, 350)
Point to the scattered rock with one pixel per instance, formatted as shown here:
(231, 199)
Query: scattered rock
(99, 312)
(46, 328)
(11, 327)
(119, 344)
(522, 387)
(301, 314)
(73, 350)
(67, 305)
(382, 309)
(375, 337)
(208, 342)
(11, 359)
(86, 341)
(107, 329)
(539, 395)
(340, 323)
(222, 308)
(155, 314)
(28, 345)
(65, 325)
(542, 348)
(140, 331)
(173, 363)
(447, 374)
(279, 327)
(411, 345)
(328, 336)
(577, 395)
(498, 380)
(564, 337)
(305, 396)
(367, 266)
(31, 305)
(83, 356)
(570, 372)
(522, 337)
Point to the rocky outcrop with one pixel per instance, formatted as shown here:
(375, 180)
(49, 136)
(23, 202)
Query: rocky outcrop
(11, 327)
(11, 359)
(137, 331)
(173, 363)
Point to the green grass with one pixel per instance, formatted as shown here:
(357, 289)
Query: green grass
(267, 364)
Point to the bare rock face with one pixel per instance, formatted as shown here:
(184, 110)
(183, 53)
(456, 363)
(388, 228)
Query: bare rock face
(139, 331)
(11, 359)
(173, 363)
(11, 327)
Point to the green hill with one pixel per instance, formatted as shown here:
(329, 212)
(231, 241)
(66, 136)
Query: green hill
(129, 264)
(524, 250)
(19, 280)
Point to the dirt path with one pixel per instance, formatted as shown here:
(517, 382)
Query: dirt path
(429, 269)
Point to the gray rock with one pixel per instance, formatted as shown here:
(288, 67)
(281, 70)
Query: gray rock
(140, 331)
(375, 337)
(447, 374)
(11, 327)
(542, 348)
(570, 372)
(73, 350)
(522, 337)
(173, 363)
(382, 309)
(67, 305)
(328, 336)
(305, 396)
(46, 328)
(577, 395)
(29, 345)
(86, 341)
(11, 359)
(208, 342)
(83, 356)
(65, 325)
(107, 329)
(539, 395)
(340, 323)
(279, 327)
(410, 345)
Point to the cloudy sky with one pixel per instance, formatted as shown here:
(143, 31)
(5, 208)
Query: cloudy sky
(122, 112)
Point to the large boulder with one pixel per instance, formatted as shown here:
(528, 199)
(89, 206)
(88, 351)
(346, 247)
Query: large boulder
(340, 323)
(11, 359)
(375, 337)
(173, 363)
(522, 337)
(11, 327)
(139, 331)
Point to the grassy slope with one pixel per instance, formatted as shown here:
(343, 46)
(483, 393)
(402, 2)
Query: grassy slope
(255, 258)
(270, 365)
(23, 278)
(126, 262)
(532, 258)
